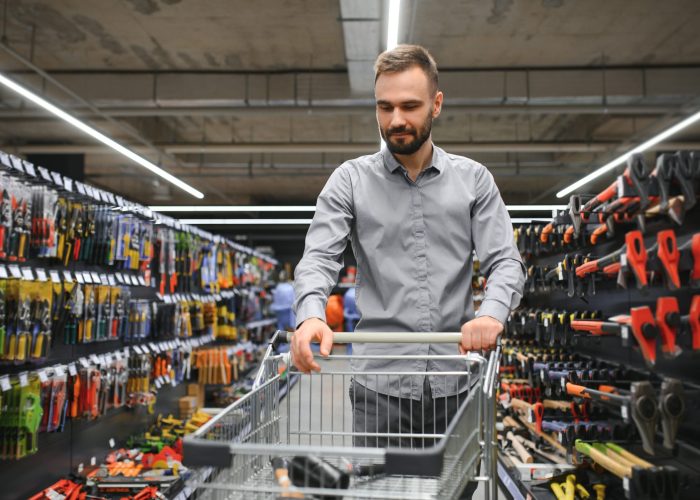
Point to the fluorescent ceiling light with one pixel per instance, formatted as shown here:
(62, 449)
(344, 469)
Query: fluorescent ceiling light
(245, 222)
(307, 208)
(231, 208)
(392, 37)
(639, 149)
(527, 220)
(84, 127)
(534, 208)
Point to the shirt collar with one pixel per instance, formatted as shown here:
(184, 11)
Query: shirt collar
(392, 164)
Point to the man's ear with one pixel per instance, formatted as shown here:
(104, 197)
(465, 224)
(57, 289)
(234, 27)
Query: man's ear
(437, 104)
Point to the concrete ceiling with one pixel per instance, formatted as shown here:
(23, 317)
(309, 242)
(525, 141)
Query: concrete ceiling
(257, 102)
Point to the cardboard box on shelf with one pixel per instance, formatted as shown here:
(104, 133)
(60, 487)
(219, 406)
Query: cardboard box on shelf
(188, 405)
(197, 391)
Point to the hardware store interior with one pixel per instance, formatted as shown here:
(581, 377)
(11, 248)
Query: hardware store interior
(349, 249)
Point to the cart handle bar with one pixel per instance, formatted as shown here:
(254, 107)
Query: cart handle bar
(386, 337)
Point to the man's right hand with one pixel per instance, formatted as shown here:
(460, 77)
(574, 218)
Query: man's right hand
(313, 329)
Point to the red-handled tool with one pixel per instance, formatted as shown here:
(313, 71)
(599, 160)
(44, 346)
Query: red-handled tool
(665, 258)
(692, 322)
(668, 319)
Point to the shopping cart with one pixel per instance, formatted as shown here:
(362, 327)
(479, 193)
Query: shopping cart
(262, 440)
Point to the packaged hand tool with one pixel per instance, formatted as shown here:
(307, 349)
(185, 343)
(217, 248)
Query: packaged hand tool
(21, 417)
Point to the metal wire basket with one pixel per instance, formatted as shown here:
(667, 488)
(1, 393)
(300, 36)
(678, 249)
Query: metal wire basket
(260, 441)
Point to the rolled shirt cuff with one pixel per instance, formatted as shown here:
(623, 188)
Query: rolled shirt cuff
(310, 308)
(495, 309)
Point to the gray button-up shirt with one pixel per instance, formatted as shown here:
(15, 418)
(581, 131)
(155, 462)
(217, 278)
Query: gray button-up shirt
(413, 243)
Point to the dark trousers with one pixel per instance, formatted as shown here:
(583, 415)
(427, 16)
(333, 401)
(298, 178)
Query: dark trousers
(377, 416)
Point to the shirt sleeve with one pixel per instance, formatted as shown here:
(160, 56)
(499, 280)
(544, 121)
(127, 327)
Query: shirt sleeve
(492, 234)
(317, 271)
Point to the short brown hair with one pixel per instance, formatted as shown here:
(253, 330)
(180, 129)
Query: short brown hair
(402, 57)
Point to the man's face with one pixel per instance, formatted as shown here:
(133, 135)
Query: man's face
(406, 109)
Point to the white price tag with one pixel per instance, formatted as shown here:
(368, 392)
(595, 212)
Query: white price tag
(119, 277)
(134, 281)
(44, 174)
(72, 370)
(142, 281)
(531, 416)
(67, 277)
(68, 183)
(166, 378)
(17, 163)
(41, 274)
(80, 187)
(560, 272)
(79, 278)
(42, 376)
(167, 299)
(95, 360)
(160, 380)
(57, 178)
(27, 273)
(626, 483)
(145, 349)
(59, 370)
(623, 260)
(111, 442)
(542, 375)
(93, 461)
(112, 281)
(96, 278)
(86, 277)
(625, 332)
(3, 271)
(138, 350)
(15, 272)
(23, 379)
(545, 322)
(84, 362)
(624, 411)
(103, 279)
(154, 347)
(55, 277)
(29, 168)
(118, 355)
(563, 384)
(5, 384)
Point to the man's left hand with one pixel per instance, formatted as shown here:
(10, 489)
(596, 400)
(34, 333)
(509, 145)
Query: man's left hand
(480, 334)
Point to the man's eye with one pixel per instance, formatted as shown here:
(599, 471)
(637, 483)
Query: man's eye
(385, 108)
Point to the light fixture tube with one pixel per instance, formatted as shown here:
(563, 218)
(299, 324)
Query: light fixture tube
(245, 222)
(623, 158)
(392, 36)
(231, 208)
(526, 220)
(534, 208)
(307, 208)
(84, 127)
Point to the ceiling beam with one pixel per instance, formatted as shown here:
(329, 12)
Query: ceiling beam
(572, 86)
(334, 147)
(350, 108)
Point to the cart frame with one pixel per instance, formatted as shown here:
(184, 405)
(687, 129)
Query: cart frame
(249, 431)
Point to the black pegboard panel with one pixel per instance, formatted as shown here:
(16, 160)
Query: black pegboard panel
(61, 452)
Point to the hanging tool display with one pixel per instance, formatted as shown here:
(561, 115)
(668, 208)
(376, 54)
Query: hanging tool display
(599, 372)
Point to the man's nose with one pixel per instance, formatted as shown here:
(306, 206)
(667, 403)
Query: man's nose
(397, 119)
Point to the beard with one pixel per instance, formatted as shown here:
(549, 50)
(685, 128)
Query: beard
(407, 146)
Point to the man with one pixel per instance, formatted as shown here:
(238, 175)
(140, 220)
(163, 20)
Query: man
(414, 213)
